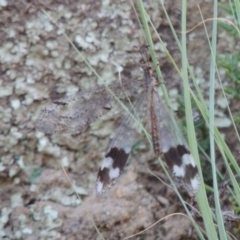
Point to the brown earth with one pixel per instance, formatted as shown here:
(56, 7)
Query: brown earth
(39, 64)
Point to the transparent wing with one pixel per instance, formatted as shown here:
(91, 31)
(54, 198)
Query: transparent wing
(169, 132)
(120, 147)
(71, 114)
(173, 146)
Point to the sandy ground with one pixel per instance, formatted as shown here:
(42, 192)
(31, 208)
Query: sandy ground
(39, 65)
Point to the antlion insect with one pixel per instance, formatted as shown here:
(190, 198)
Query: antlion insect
(72, 114)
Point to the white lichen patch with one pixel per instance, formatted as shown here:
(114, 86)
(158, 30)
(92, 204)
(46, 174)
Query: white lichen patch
(42, 143)
(16, 181)
(12, 140)
(55, 54)
(68, 15)
(11, 33)
(6, 90)
(71, 89)
(223, 122)
(92, 38)
(15, 133)
(5, 114)
(19, 50)
(20, 85)
(39, 135)
(24, 228)
(14, 170)
(33, 93)
(11, 73)
(51, 44)
(20, 162)
(162, 48)
(79, 190)
(37, 26)
(30, 79)
(3, 3)
(45, 146)
(15, 103)
(82, 43)
(37, 215)
(37, 58)
(101, 55)
(16, 200)
(27, 230)
(65, 161)
(50, 212)
(10, 53)
(67, 64)
(2, 167)
(70, 201)
(62, 196)
(5, 52)
(51, 217)
(222, 102)
(4, 218)
(18, 234)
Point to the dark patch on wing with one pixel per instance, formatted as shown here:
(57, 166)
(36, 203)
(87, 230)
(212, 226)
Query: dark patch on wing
(191, 172)
(103, 176)
(119, 157)
(173, 157)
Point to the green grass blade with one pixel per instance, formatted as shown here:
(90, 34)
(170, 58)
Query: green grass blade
(220, 223)
(201, 196)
